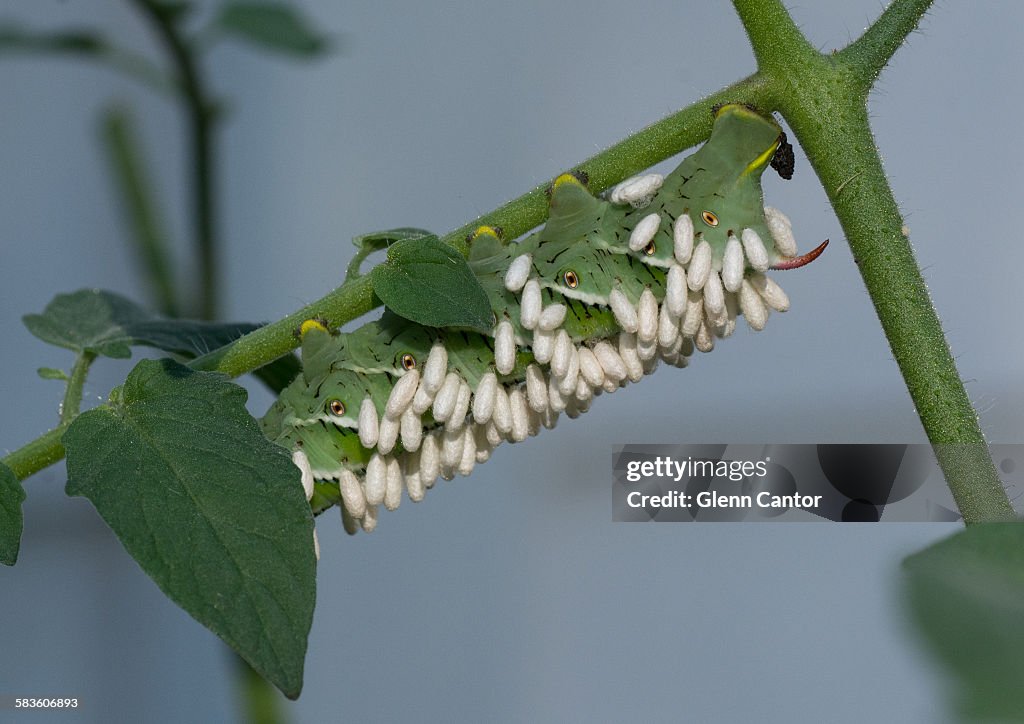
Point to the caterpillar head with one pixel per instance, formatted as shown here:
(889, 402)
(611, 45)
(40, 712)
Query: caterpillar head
(719, 186)
(714, 200)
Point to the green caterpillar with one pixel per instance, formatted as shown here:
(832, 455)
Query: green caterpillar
(599, 296)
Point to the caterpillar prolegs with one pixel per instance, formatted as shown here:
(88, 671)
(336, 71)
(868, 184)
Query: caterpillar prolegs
(598, 297)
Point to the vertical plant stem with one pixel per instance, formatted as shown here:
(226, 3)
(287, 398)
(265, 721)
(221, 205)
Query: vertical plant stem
(852, 174)
(260, 701)
(200, 121)
(126, 162)
(47, 449)
(774, 37)
(76, 382)
(824, 99)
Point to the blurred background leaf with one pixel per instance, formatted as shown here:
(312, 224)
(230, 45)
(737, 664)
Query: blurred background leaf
(967, 597)
(83, 42)
(273, 26)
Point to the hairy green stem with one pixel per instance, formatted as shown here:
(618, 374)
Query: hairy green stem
(76, 382)
(874, 229)
(40, 453)
(823, 99)
(349, 301)
(871, 51)
(778, 38)
(47, 449)
(355, 264)
(201, 117)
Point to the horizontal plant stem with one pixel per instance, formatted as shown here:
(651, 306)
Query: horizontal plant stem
(354, 298)
(653, 144)
(350, 301)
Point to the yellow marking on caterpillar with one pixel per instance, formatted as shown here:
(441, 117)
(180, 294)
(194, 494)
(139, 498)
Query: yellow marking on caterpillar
(312, 324)
(566, 178)
(486, 231)
(761, 160)
(733, 108)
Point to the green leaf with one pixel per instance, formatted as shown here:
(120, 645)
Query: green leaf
(188, 337)
(210, 509)
(383, 239)
(967, 596)
(430, 283)
(271, 25)
(12, 495)
(376, 241)
(51, 373)
(109, 324)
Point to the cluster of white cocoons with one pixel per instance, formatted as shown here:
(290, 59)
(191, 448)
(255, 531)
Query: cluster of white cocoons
(475, 420)
(703, 295)
(702, 299)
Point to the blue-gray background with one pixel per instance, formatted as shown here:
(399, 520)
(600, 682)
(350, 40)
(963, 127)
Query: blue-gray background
(510, 595)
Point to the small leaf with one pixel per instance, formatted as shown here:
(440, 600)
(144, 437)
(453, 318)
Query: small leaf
(50, 373)
(12, 495)
(271, 25)
(209, 508)
(967, 595)
(383, 239)
(376, 241)
(88, 319)
(108, 324)
(428, 282)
